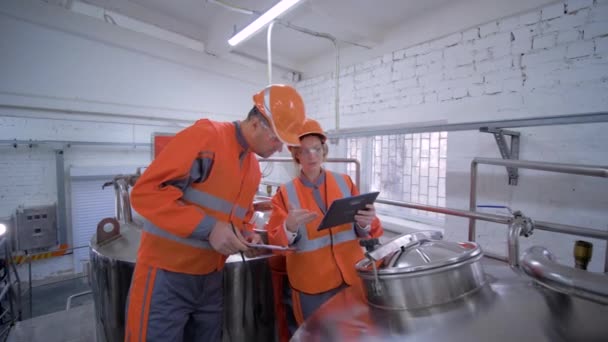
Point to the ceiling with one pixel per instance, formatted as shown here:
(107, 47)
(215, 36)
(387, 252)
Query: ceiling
(362, 23)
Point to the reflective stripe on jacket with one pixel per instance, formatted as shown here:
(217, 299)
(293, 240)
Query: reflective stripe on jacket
(204, 175)
(324, 259)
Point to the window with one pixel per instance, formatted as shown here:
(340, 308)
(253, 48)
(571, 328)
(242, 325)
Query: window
(403, 167)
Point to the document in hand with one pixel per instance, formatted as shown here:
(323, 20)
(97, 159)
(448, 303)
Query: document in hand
(343, 210)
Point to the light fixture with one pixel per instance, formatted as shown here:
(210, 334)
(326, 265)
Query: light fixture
(2, 229)
(260, 22)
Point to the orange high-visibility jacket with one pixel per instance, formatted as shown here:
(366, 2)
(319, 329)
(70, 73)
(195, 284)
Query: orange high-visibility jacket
(204, 175)
(325, 259)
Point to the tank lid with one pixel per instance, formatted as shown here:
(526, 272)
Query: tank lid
(417, 252)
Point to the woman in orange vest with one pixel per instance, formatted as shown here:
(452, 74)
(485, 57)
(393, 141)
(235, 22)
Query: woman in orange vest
(324, 261)
(196, 199)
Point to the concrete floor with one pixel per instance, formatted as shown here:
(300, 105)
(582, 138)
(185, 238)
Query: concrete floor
(52, 297)
(74, 325)
(49, 321)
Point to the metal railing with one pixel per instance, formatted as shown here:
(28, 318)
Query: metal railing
(473, 215)
(28, 258)
(584, 170)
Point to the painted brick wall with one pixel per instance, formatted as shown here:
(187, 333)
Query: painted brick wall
(28, 177)
(545, 62)
(29, 173)
(514, 67)
(567, 199)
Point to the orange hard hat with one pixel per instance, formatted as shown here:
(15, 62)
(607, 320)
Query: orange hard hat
(283, 107)
(312, 126)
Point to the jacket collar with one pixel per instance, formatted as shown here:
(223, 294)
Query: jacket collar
(307, 183)
(240, 138)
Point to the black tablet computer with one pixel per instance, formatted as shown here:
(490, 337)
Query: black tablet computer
(343, 210)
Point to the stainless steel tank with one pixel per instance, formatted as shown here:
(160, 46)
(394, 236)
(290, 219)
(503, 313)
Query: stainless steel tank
(248, 296)
(419, 288)
(248, 300)
(249, 313)
(113, 251)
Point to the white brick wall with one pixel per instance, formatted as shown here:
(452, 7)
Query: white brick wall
(545, 62)
(28, 178)
(531, 52)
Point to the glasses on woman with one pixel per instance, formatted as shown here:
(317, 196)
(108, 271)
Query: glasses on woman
(317, 150)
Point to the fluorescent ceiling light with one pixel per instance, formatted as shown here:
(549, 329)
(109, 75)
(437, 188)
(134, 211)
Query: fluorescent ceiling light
(260, 22)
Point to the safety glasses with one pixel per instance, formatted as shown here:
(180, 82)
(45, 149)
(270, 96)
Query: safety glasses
(271, 135)
(310, 151)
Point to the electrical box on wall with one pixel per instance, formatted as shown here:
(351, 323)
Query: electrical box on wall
(36, 227)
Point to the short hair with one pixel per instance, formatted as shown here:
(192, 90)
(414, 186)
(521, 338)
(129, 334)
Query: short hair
(254, 113)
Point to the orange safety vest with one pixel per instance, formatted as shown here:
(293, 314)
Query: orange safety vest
(323, 259)
(173, 204)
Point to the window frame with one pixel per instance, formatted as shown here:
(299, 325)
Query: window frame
(366, 158)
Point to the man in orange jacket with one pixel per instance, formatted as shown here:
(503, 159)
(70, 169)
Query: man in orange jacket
(324, 261)
(196, 200)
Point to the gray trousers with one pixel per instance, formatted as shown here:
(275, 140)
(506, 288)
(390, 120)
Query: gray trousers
(182, 307)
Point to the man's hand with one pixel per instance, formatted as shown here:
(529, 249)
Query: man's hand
(297, 217)
(226, 241)
(254, 239)
(365, 217)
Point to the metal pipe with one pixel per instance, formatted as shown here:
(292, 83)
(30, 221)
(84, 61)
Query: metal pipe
(68, 304)
(117, 200)
(572, 230)
(337, 91)
(4, 291)
(9, 261)
(29, 281)
(473, 200)
(443, 126)
(540, 265)
(61, 201)
(513, 244)
(335, 41)
(11, 265)
(269, 50)
(320, 34)
(6, 330)
(585, 170)
(109, 116)
(69, 143)
(473, 216)
(448, 211)
(232, 7)
(125, 203)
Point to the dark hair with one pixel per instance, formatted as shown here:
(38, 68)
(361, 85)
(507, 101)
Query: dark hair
(254, 113)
